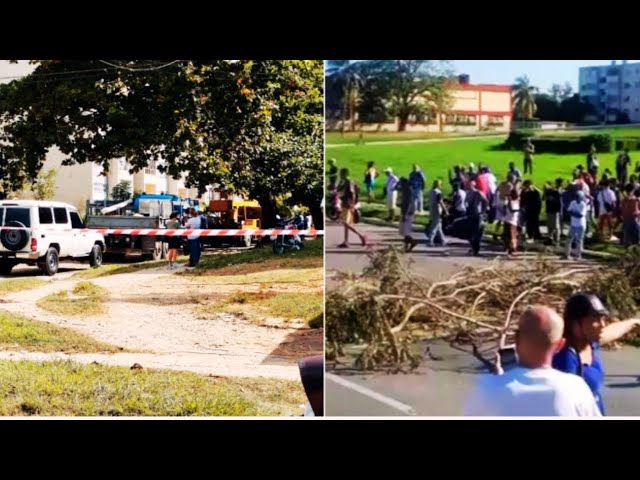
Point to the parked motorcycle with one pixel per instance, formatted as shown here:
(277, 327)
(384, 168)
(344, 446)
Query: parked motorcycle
(282, 243)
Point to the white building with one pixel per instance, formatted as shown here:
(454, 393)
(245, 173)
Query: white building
(75, 184)
(612, 89)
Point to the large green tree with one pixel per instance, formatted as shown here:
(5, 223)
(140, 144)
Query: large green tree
(253, 127)
(407, 86)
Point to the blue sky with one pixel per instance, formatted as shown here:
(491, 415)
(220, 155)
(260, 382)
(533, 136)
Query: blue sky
(542, 73)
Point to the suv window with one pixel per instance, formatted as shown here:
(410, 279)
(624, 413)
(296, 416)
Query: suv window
(15, 214)
(46, 217)
(1, 215)
(76, 221)
(60, 214)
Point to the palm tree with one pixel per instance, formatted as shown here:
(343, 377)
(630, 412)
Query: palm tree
(524, 96)
(347, 74)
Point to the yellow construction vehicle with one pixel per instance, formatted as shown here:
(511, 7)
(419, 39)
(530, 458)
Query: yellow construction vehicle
(235, 214)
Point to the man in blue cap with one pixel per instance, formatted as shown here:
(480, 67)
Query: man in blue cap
(588, 325)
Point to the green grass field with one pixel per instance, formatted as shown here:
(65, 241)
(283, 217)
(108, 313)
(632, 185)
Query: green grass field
(337, 138)
(437, 158)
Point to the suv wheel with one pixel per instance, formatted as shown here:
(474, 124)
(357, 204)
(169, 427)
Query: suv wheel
(95, 257)
(51, 262)
(14, 240)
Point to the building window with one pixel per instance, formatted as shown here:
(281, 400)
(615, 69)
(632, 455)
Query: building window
(495, 121)
(150, 169)
(424, 119)
(455, 119)
(124, 165)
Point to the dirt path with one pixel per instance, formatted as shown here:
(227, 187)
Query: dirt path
(153, 311)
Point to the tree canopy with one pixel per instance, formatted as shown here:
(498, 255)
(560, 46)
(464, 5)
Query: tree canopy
(252, 126)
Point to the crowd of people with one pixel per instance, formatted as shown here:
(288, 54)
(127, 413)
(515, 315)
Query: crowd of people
(590, 203)
(559, 370)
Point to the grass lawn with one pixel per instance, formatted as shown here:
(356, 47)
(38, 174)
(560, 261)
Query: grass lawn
(336, 138)
(19, 284)
(20, 333)
(307, 306)
(268, 277)
(71, 389)
(436, 159)
(260, 259)
(87, 299)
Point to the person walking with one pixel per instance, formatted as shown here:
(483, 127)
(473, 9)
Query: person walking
(194, 223)
(391, 193)
(349, 200)
(173, 241)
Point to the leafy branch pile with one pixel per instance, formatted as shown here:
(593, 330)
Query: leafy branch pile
(379, 309)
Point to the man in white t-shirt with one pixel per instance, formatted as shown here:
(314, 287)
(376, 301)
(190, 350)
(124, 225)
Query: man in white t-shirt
(606, 200)
(391, 193)
(194, 223)
(534, 388)
(578, 226)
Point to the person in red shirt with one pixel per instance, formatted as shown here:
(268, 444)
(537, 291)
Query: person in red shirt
(482, 182)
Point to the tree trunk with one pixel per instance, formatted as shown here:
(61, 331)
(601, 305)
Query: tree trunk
(402, 122)
(440, 122)
(269, 210)
(317, 215)
(352, 116)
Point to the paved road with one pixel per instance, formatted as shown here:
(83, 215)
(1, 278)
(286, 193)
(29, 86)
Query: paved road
(439, 387)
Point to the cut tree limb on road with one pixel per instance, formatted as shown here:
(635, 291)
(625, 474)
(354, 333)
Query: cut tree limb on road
(381, 308)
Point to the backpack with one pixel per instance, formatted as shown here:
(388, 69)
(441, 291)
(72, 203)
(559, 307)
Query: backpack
(203, 222)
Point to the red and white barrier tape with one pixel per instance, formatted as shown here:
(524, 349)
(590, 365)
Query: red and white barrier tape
(184, 232)
(207, 233)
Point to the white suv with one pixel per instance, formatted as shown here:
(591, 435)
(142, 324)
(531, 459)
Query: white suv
(44, 232)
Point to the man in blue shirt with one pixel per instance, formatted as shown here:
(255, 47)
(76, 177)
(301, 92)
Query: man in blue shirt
(585, 329)
(418, 181)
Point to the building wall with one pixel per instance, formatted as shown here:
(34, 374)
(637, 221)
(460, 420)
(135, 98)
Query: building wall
(74, 183)
(77, 184)
(475, 108)
(611, 89)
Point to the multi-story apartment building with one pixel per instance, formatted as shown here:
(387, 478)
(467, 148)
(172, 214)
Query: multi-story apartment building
(75, 184)
(613, 90)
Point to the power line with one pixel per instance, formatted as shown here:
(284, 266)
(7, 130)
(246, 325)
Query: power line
(66, 72)
(143, 69)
